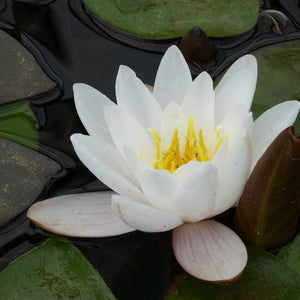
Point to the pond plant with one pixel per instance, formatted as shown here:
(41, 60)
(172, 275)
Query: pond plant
(187, 189)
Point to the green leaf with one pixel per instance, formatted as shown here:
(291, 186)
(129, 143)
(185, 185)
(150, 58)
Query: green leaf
(268, 211)
(265, 277)
(18, 124)
(278, 77)
(174, 18)
(290, 254)
(21, 76)
(55, 270)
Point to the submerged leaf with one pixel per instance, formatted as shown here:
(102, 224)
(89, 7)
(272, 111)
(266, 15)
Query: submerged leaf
(55, 270)
(265, 277)
(24, 174)
(268, 212)
(18, 124)
(20, 74)
(278, 77)
(173, 18)
(290, 254)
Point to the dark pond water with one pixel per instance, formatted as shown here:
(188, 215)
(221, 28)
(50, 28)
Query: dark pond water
(70, 46)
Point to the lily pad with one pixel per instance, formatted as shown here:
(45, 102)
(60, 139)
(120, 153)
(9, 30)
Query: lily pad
(290, 254)
(265, 277)
(55, 270)
(174, 18)
(278, 77)
(18, 124)
(20, 74)
(24, 174)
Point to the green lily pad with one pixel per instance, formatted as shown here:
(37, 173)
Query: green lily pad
(18, 124)
(174, 18)
(265, 277)
(290, 254)
(55, 270)
(278, 77)
(20, 74)
(24, 174)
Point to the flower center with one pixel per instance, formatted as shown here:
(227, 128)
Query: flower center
(194, 148)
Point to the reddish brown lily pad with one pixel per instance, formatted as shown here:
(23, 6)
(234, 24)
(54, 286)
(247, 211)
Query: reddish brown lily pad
(268, 212)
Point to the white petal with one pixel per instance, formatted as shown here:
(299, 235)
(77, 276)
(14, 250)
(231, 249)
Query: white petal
(199, 101)
(135, 162)
(173, 78)
(136, 99)
(106, 163)
(237, 121)
(235, 175)
(237, 86)
(78, 215)
(127, 132)
(208, 250)
(220, 158)
(143, 217)
(159, 187)
(173, 118)
(196, 196)
(270, 124)
(89, 105)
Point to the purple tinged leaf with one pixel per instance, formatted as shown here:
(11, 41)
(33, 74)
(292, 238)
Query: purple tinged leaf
(268, 211)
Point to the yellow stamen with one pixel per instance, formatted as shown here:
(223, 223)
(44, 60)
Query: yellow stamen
(191, 140)
(220, 142)
(202, 146)
(217, 130)
(140, 153)
(157, 141)
(194, 149)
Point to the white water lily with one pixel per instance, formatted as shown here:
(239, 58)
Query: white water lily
(174, 158)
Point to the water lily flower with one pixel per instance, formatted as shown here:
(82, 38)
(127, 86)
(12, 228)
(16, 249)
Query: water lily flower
(174, 158)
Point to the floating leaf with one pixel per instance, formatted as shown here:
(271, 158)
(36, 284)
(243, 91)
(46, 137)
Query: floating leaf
(265, 277)
(24, 174)
(18, 124)
(290, 254)
(20, 74)
(55, 270)
(173, 18)
(268, 211)
(278, 77)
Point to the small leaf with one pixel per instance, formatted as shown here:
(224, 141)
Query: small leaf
(173, 18)
(268, 212)
(265, 277)
(290, 254)
(21, 76)
(55, 270)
